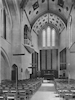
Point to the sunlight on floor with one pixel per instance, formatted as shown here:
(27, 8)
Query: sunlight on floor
(46, 92)
(48, 84)
(46, 96)
(45, 81)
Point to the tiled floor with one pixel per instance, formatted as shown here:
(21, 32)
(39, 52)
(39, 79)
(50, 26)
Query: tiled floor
(46, 92)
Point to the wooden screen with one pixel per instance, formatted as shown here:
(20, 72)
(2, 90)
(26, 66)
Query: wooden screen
(43, 59)
(54, 59)
(63, 59)
(34, 63)
(49, 59)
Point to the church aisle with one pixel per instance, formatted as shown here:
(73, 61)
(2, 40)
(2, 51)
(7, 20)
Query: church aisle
(46, 92)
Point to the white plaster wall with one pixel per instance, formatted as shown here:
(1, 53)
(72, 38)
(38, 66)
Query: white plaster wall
(66, 41)
(8, 28)
(71, 52)
(1, 20)
(73, 24)
(5, 65)
(27, 58)
(35, 41)
(26, 62)
(63, 39)
(14, 42)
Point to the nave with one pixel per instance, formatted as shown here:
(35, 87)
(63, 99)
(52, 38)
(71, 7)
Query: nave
(46, 92)
(38, 89)
(19, 90)
(59, 89)
(37, 42)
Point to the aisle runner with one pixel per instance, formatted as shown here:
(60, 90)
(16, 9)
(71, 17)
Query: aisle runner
(46, 92)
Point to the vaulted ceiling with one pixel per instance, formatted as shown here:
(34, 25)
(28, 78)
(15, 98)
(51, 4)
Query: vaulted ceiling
(36, 8)
(49, 19)
(41, 12)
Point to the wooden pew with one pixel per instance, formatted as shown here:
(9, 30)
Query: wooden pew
(67, 91)
(25, 88)
(2, 96)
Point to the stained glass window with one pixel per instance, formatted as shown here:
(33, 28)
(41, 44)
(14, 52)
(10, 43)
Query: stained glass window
(48, 36)
(53, 37)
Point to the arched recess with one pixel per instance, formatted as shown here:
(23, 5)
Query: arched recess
(5, 66)
(14, 73)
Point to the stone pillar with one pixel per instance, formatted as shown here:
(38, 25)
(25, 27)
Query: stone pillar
(0, 63)
(58, 63)
(39, 61)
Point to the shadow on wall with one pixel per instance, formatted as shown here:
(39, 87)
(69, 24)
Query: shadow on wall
(5, 68)
(27, 74)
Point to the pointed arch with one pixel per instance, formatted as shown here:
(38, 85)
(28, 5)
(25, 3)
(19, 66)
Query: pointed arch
(14, 73)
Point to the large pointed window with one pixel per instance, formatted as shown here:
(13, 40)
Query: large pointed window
(48, 36)
(44, 38)
(53, 37)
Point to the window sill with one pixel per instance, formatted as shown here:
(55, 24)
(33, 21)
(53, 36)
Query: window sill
(29, 48)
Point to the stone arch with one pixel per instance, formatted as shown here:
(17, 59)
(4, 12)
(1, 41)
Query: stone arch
(5, 66)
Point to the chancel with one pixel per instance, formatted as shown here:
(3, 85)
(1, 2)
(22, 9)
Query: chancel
(37, 49)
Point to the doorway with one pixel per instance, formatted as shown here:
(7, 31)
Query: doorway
(14, 73)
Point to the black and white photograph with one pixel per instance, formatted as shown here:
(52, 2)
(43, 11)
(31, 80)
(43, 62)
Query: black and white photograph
(37, 49)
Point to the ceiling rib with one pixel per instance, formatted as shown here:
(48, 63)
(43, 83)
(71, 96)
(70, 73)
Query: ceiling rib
(50, 19)
(27, 17)
(35, 32)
